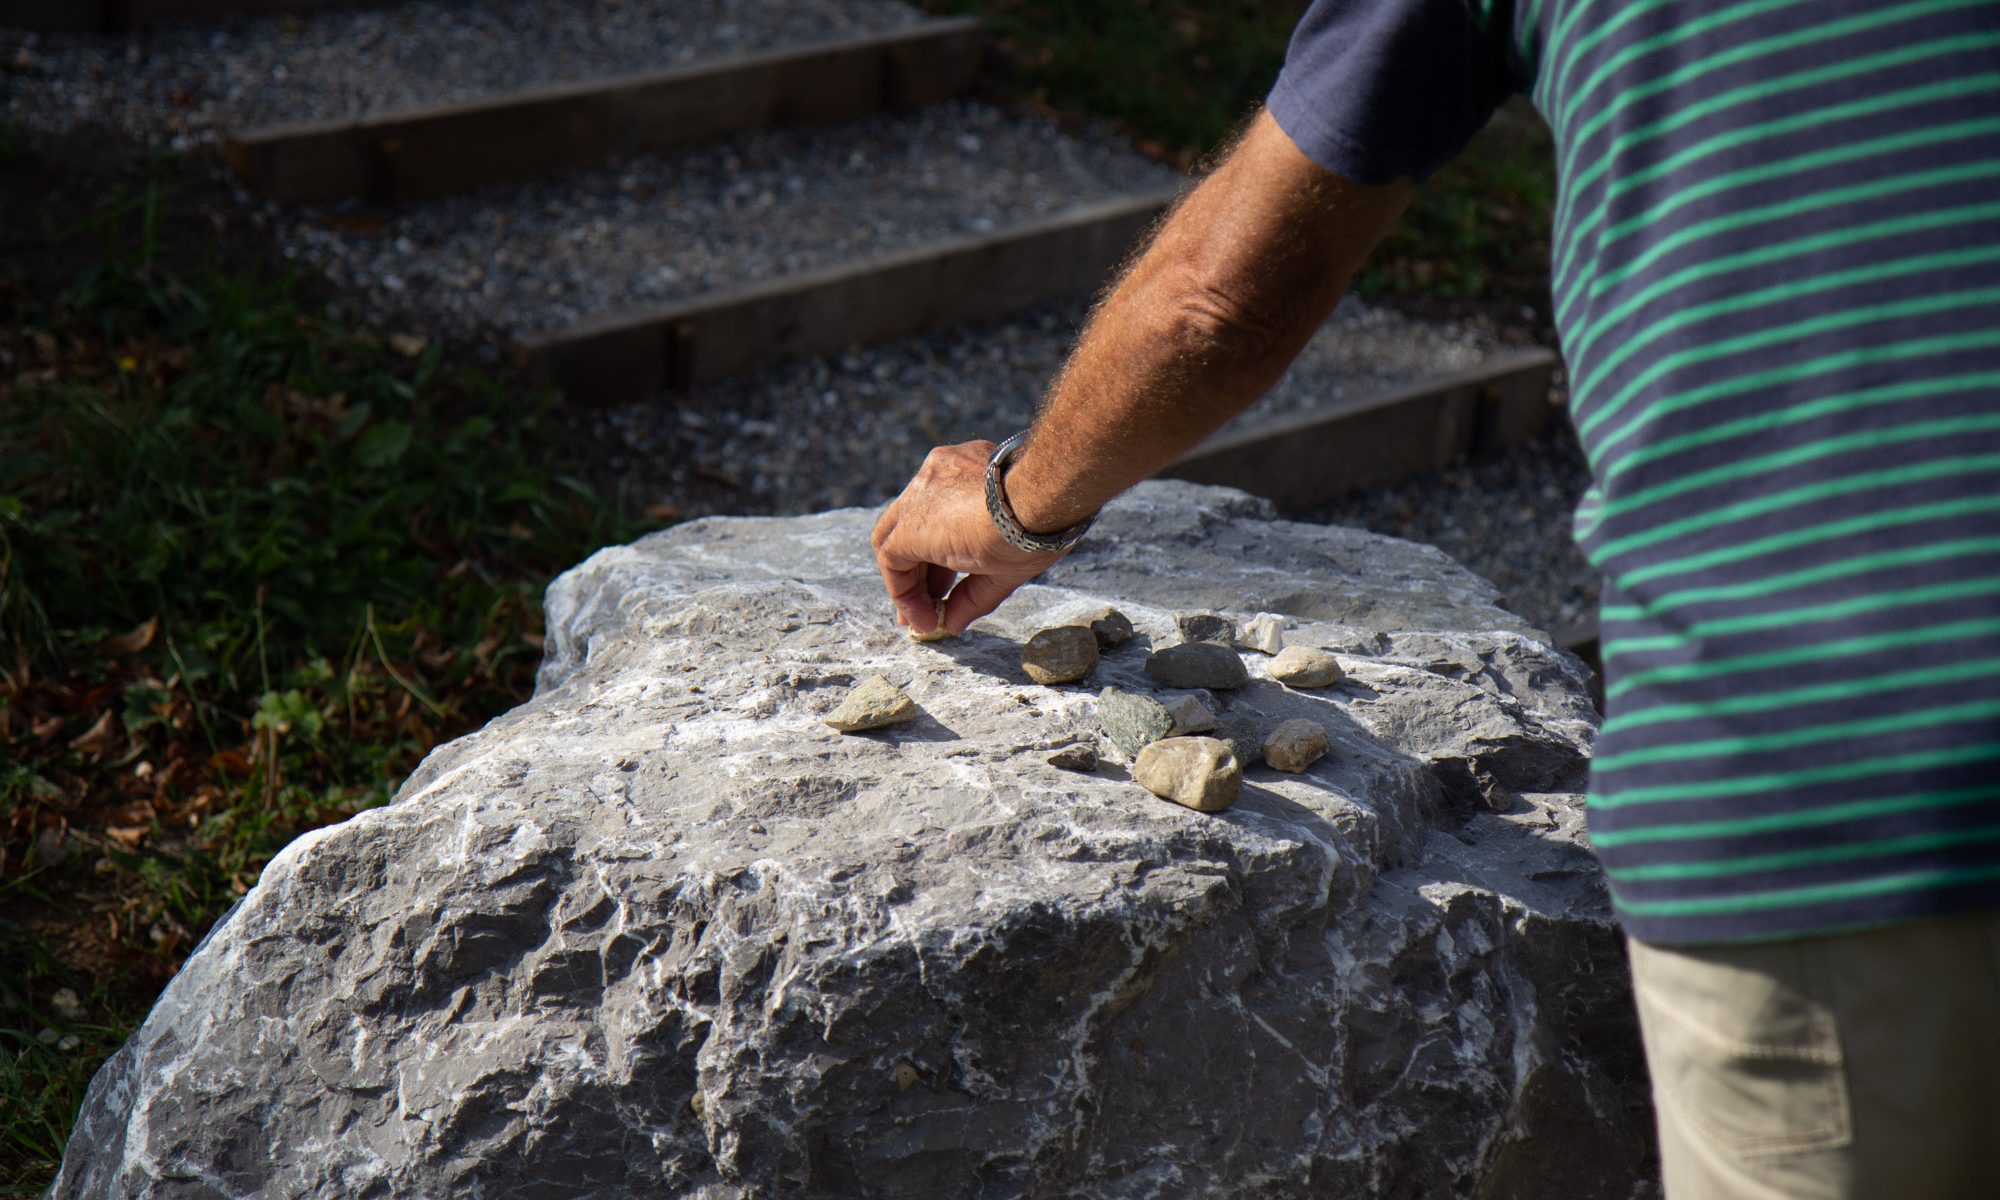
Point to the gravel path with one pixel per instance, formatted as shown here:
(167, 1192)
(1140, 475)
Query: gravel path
(734, 447)
(528, 257)
(177, 84)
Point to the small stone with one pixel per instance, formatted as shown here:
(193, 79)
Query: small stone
(66, 1004)
(938, 632)
(874, 703)
(1295, 745)
(1199, 772)
(1110, 626)
(1245, 735)
(1189, 715)
(1264, 632)
(1131, 721)
(906, 1076)
(1198, 665)
(1064, 654)
(1205, 627)
(1306, 667)
(1080, 757)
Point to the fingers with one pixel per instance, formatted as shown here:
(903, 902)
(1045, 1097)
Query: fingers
(973, 598)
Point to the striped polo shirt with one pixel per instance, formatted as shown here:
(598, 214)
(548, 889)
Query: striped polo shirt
(1777, 284)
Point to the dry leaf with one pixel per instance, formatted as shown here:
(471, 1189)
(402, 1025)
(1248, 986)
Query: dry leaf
(408, 345)
(100, 737)
(132, 641)
(128, 836)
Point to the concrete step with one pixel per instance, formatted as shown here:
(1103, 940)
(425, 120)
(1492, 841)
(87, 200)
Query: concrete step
(417, 153)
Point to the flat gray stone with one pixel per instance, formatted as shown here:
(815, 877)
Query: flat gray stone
(1132, 720)
(637, 939)
(1197, 665)
(1080, 757)
(1111, 627)
(1205, 627)
(874, 704)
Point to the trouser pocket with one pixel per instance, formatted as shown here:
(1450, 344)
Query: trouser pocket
(1743, 1044)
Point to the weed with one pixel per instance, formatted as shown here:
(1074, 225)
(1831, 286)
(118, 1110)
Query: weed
(253, 566)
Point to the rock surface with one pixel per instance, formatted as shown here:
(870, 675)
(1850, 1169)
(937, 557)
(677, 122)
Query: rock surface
(1198, 665)
(1295, 745)
(1198, 772)
(1064, 654)
(639, 939)
(875, 704)
(1305, 667)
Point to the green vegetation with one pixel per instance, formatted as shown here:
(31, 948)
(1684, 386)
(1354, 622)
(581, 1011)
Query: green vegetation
(252, 567)
(1180, 76)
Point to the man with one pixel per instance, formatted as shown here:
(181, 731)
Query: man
(1777, 282)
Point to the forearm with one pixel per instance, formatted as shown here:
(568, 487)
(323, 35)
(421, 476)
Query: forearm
(1206, 320)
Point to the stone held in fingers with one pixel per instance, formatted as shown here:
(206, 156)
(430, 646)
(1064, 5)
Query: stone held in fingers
(1197, 665)
(1064, 654)
(938, 632)
(1295, 745)
(1080, 757)
(1264, 632)
(1306, 667)
(1110, 627)
(1205, 627)
(1131, 720)
(873, 704)
(1189, 715)
(1199, 772)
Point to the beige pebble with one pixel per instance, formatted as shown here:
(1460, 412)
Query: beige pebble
(1189, 715)
(938, 632)
(874, 703)
(1295, 745)
(1199, 772)
(1064, 654)
(1306, 667)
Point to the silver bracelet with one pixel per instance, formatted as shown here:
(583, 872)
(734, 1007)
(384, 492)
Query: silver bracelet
(1003, 514)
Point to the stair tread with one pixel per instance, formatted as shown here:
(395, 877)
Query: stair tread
(183, 82)
(878, 411)
(539, 256)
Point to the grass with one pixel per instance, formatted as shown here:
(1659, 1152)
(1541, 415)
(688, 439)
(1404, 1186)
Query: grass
(253, 566)
(1181, 76)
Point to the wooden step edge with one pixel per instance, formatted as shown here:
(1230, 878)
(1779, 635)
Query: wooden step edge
(735, 330)
(413, 154)
(1380, 437)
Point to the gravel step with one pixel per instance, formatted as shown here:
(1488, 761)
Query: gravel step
(412, 154)
(181, 84)
(736, 445)
(522, 261)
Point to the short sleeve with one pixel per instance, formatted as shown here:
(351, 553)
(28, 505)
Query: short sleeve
(1375, 90)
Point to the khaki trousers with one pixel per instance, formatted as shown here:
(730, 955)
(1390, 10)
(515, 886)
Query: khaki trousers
(1850, 1065)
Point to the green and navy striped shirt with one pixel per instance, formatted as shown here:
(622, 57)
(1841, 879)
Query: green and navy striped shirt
(1777, 283)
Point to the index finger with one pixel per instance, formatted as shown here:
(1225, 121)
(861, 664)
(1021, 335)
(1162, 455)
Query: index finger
(906, 579)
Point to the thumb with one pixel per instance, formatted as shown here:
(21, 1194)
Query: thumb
(973, 598)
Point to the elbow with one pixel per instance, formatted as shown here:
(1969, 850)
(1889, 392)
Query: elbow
(1215, 327)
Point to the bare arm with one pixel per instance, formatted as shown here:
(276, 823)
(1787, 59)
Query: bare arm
(1206, 320)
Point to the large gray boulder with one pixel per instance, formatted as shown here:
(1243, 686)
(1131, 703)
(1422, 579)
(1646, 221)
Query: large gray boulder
(660, 932)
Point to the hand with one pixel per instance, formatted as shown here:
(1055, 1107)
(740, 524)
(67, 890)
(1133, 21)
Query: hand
(939, 529)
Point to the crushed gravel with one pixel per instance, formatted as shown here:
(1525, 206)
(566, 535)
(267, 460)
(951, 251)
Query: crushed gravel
(522, 258)
(177, 84)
